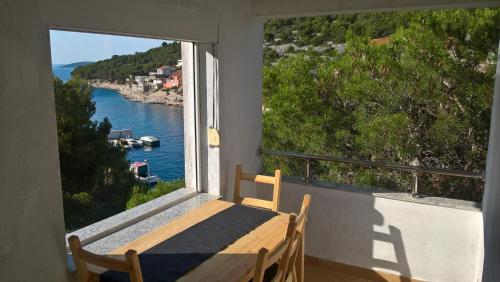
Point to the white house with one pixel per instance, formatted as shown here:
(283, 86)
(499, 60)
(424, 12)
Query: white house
(140, 79)
(165, 70)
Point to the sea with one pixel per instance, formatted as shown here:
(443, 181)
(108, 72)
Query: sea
(164, 122)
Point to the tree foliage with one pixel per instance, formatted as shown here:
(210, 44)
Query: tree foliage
(117, 68)
(322, 29)
(96, 182)
(424, 97)
(142, 193)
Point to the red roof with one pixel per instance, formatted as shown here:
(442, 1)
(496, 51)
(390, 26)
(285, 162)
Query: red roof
(380, 41)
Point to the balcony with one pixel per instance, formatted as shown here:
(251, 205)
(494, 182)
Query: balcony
(352, 235)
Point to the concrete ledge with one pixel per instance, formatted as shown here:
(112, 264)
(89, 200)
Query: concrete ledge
(388, 194)
(405, 237)
(119, 221)
(134, 231)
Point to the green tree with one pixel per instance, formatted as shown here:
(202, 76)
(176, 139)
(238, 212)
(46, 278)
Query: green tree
(96, 182)
(423, 97)
(142, 193)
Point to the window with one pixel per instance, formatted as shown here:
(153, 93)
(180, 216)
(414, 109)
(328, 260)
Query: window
(119, 108)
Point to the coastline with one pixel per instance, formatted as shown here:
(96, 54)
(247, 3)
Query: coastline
(169, 98)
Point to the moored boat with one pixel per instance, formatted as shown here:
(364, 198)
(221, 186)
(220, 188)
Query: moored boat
(134, 142)
(141, 172)
(150, 141)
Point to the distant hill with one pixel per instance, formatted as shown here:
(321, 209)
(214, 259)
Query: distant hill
(77, 64)
(119, 67)
(325, 33)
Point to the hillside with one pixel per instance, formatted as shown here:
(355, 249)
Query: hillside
(76, 64)
(119, 67)
(324, 33)
(322, 30)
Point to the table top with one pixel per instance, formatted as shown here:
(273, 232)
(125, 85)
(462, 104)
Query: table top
(232, 263)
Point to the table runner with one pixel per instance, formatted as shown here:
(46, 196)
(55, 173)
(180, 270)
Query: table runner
(174, 257)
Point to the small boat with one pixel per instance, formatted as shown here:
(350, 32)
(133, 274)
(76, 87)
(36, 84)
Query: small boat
(134, 142)
(124, 144)
(113, 142)
(141, 172)
(150, 141)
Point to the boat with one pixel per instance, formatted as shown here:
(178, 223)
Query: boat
(141, 172)
(134, 142)
(124, 144)
(150, 141)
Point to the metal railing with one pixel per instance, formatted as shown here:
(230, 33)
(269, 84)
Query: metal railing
(366, 163)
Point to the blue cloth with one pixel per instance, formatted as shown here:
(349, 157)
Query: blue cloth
(171, 259)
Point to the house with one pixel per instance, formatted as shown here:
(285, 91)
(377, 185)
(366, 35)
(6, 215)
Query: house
(385, 236)
(140, 79)
(165, 70)
(159, 82)
(175, 80)
(143, 87)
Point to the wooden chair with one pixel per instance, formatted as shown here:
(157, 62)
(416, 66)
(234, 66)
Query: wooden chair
(275, 181)
(281, 255)
(295, 269)
(83, 257)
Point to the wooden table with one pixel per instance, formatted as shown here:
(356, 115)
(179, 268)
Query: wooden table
(232, 263)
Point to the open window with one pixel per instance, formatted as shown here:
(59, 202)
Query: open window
(120, 121)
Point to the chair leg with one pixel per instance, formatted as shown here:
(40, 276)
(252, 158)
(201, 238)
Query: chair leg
(299, 263)
(294, 274)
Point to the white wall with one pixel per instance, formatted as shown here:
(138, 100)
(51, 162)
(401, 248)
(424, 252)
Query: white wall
(415, 240)
(491, 198)
(31, 214)
(240, 59)
(132, 17)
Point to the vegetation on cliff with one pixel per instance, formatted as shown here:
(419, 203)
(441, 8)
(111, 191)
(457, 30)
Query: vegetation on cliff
(77, 64)
(117, 68)
(142, 193)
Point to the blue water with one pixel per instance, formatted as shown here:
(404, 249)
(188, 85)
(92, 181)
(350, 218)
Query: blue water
(163, 122)
(63, 74)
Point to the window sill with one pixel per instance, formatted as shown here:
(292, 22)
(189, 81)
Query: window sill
(113, 232)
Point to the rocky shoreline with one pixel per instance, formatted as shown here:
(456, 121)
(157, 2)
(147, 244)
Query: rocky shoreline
(169, 98)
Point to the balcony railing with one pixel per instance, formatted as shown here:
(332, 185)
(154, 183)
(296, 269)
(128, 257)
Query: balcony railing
(416, 170)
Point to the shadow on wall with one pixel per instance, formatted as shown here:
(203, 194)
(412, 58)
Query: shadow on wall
(347, 231)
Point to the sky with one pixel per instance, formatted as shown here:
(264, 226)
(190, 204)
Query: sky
(70, 47)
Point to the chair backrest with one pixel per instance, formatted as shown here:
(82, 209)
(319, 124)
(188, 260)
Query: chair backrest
(83, 257)
(280, 255)
(275, 181)
(297, 243)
